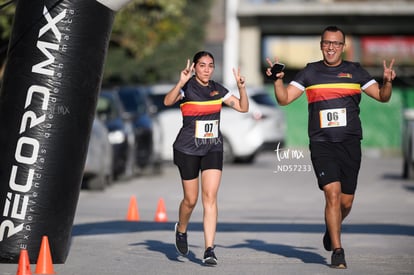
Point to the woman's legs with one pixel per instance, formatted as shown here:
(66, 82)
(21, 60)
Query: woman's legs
(210, 182)
(190, 190)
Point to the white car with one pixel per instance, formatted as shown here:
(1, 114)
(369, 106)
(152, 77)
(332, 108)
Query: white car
(264, 123)
(244, 134)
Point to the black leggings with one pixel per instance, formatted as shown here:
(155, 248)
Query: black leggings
(190, 166)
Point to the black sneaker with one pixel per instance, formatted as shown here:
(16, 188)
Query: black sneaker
(338, 258)
(327, 241)
(181, 241)
(209, 257)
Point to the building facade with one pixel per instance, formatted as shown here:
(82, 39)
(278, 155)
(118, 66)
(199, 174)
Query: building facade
(248, 31)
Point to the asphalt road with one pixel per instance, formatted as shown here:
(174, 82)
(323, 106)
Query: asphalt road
(270, 222)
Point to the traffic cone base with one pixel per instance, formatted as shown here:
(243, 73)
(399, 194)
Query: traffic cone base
(44, 260)
(24, 263)
(161, 214)
(133, 214)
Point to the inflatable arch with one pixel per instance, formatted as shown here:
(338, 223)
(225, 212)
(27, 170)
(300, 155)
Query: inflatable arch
(47, 103)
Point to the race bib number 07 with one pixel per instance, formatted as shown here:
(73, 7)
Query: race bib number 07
(332, 118)
(206, 128)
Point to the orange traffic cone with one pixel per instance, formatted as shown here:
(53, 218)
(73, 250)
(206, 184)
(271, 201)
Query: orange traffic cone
(24, 263)
(44, 260)
(133, 214)
(161, 214)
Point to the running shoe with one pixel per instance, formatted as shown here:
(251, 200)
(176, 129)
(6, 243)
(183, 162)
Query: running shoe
(209, 257)
(327, 241)
(338, 259)
(181, 241)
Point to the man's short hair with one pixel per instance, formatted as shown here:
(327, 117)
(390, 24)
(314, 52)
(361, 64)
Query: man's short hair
(333, 29)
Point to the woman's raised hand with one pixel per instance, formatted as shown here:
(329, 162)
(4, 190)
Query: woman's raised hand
(239, 79)
(187, 73)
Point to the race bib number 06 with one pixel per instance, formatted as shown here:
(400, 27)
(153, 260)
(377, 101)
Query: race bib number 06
(332, 118)
(206, 128)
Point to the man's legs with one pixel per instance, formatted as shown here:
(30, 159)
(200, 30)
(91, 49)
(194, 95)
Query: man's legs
(338, 206)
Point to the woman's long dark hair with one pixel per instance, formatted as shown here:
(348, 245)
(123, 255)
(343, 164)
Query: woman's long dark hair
(200, 54)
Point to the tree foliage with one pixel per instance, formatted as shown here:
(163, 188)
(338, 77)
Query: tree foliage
(6, 20)
(150, 40)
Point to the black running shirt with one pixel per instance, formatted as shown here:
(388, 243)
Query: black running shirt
(333, 94)
(200, 108)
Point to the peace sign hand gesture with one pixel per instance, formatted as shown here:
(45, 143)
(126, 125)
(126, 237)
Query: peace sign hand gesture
(239, 79)
(389, 73)
(187, 73)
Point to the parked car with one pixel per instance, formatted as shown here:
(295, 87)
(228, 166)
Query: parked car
(263, 127)
(146, 127)
(121, 133)
(244, 134)
(408, 143)
(97, 173)
(169, 119)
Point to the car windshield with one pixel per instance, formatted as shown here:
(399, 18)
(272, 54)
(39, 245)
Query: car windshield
(261, 98)
(133, 101)
(158, 100)
(105, 108)
(264, 99)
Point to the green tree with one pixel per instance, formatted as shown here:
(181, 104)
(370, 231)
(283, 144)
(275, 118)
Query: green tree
(150, 40)
(6, 19)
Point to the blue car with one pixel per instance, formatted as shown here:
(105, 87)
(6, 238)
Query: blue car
(146, 127)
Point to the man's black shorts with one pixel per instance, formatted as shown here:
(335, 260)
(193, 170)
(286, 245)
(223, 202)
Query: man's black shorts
(190, 166)
(337, 161)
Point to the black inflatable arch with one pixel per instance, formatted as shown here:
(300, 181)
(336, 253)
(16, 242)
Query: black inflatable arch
(47, 103)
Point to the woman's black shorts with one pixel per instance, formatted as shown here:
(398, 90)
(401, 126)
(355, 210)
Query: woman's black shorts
(337, 161)
(190, 166)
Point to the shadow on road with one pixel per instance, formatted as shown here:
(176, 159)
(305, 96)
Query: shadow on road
(287, 251)
(169, 250)
(305, 254)
(301, 253)
(119, 227)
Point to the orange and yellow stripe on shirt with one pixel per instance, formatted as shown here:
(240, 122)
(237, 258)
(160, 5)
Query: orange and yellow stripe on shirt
(197, 108)
(329, 91)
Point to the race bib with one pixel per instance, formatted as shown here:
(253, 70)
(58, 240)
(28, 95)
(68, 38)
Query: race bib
(332, 118)
(206, 129)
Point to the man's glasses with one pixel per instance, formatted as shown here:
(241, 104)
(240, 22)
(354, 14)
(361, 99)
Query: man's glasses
(336, 44)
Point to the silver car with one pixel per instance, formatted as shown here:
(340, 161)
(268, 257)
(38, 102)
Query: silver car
(98, 166)
(407, 144)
